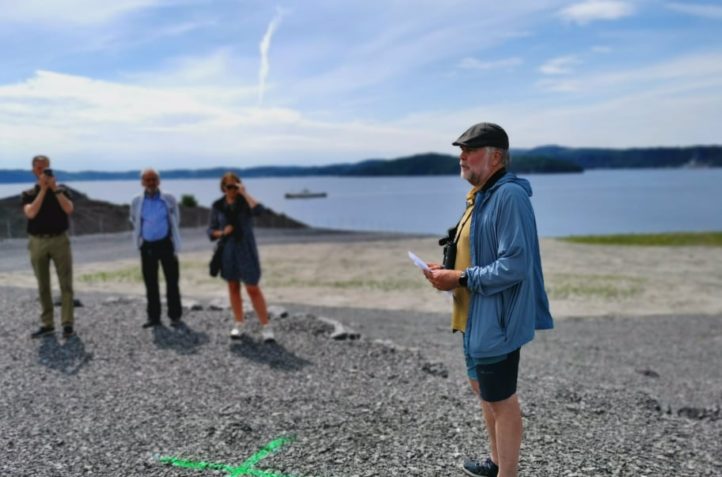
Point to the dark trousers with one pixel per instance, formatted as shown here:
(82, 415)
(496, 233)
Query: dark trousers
(151, 254)
(43, 250)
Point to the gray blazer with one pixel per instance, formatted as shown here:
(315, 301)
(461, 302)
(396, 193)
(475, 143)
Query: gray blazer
(171, 204)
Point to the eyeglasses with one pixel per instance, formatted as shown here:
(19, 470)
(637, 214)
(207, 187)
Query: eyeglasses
(230, 186)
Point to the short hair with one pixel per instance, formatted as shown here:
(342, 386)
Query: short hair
(147, 170)
(505, 155)
(228, 177)
(40, 158)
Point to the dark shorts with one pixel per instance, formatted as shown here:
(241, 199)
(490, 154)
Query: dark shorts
(497, 381)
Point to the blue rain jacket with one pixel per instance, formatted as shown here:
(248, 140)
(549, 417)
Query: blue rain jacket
(508, 300)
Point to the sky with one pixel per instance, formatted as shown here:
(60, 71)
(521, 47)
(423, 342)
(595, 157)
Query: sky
(170, 84)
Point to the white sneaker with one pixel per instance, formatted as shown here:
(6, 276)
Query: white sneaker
(267, 333)
(238, 330)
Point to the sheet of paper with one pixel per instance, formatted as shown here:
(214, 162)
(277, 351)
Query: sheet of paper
(422, 265)
(417, 261)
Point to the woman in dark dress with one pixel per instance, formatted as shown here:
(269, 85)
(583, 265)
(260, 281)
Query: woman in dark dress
(232, 223)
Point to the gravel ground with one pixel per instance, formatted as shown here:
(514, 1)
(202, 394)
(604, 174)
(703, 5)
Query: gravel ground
(637, 397)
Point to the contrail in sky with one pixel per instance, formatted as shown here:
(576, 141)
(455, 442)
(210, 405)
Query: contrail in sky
(264, 47)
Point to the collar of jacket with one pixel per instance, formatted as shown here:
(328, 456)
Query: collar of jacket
(489, 186)
(494, 179)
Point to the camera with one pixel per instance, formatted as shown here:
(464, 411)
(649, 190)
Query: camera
(48, 172)
(449, 244)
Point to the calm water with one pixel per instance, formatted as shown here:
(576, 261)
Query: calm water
(595, 202)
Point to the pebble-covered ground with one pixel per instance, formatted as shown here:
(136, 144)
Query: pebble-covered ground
(627, 396)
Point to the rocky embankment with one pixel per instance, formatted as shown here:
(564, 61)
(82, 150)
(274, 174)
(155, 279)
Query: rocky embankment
(98, 217)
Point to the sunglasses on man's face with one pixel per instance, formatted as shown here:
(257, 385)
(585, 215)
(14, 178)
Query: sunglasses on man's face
(230, 186)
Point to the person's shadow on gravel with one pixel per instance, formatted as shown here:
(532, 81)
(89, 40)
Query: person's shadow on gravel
(181, 339)
(272, 354)
(68, 357)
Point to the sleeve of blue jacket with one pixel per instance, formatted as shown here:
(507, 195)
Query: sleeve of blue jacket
(513, 229)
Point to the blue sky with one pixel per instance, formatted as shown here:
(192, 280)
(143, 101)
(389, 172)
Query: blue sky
(127, 84)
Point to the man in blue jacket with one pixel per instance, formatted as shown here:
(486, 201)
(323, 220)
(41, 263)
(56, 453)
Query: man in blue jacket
(498, 286)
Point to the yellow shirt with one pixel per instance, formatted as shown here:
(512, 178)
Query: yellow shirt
(460, 310)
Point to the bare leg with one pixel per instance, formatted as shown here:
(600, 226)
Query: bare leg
(490, 421)
(259, 303)
(234, 294)
(508, 425)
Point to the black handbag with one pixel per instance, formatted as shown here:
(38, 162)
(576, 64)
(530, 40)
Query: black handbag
(214, 268)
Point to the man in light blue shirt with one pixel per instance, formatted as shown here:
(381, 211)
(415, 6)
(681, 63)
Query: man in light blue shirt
(155, 218)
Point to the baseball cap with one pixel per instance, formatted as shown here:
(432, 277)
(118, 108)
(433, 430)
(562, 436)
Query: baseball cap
(483, 135)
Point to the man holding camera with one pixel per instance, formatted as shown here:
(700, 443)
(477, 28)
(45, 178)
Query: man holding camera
(155, 218)
(493, 265)
(47, 207)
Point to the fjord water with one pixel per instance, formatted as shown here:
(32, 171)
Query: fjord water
(594, 202)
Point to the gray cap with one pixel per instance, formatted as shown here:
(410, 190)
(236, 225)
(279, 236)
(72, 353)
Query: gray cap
(483, 135)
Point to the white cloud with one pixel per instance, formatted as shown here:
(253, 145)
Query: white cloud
(688, 72)
(112, 126)
(474, 64)
(565, 85)
(379, 85)
(217, 77)
(61, 13)
(118, 38)
(704, 10)
(656, 119)
(673, 103)
(562, 65)
(107, 125)
(264, 46)
(593, 10)
(182, 28)
(401, 49)
(79, 99)
(211, 68)
(90, 115)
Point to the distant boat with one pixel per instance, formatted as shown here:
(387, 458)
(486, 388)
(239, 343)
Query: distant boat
(694, 163)
(305, 194)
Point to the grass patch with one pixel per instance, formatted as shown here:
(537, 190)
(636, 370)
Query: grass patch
(122, 275)
(674, 239)
(134, 274)
(608, 287)
(359, 284)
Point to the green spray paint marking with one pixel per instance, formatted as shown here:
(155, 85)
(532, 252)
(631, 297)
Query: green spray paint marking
(247, 468)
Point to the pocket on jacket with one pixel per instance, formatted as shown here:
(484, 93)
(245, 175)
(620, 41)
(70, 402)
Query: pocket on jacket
(485, 331)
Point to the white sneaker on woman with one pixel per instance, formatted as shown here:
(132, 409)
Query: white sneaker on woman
(238, 330)
(267, 333)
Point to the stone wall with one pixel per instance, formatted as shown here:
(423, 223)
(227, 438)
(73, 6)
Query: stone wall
(95, 216)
